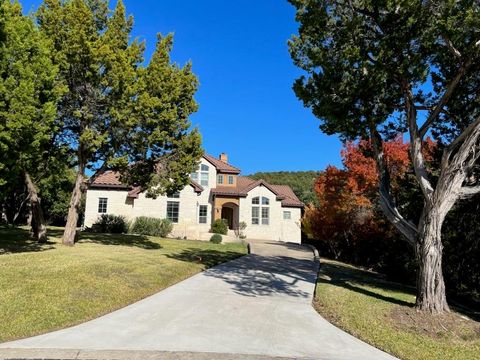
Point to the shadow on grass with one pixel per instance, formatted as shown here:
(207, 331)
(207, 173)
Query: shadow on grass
(142, 242)
(355, 279)
(209, 258)
(16, 240)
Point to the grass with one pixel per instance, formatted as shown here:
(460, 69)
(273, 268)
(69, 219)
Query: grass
(49, 287)
(382, 313)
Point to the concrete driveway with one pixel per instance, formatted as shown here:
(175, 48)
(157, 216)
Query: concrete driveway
(256, 307)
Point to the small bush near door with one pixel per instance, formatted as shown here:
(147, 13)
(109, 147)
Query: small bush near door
(151, 226)
(220, 226)
(216, 239)
(111, 224)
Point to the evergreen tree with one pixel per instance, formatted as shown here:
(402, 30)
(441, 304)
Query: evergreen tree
(28, 97)
(368, 66)
(115, 111)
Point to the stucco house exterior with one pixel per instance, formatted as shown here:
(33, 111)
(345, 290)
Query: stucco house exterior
(216, 191)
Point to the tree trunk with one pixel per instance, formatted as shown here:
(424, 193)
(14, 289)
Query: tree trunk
(431, 294)
(72, 218)
(39, 227)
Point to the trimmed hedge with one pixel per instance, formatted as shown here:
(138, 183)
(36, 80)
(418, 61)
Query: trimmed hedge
(216, 239)
(144, 225)
(111, 224)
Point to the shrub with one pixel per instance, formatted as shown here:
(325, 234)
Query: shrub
(239, 231)
(220, 226)
(111, 224)
(151, 226)
(216, 239)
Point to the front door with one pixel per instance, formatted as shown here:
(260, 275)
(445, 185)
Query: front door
(227, 214)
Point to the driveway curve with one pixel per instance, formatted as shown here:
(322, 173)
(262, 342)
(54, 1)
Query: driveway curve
(257, 306)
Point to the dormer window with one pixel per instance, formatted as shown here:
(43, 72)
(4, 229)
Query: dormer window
(231, 180)
(220, 179)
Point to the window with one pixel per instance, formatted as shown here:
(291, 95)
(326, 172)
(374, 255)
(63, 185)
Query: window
(231, 180)
(265, 215)
(203, 214)
(255, 215)
(287, 215)
(174, 195)
(263, 210)
(102, 205)
(220, 179)
(173, 208)
(204, 179)
(201, 175)
(204, 175)
(194, 176)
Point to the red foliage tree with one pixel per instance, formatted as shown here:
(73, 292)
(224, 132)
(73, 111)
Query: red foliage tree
(348, 197)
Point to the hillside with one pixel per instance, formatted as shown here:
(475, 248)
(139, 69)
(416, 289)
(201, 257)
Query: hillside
(300, 181)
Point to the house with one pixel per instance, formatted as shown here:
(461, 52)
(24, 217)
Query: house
(216, 191)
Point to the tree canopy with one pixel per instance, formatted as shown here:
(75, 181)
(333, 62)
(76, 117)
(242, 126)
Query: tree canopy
(29, 94)
(375, 69)
(117, 113)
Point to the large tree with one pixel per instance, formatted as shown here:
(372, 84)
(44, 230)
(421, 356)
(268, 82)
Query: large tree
(376, 68)
(117, 112)
(29, 92)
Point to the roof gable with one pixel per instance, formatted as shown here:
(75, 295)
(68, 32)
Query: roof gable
(284, 193)
(221, 166)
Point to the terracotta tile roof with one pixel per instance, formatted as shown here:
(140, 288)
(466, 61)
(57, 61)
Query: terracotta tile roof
(290, 199)
(111, 179)
(245, 184)
(221, 166)
(196, 186)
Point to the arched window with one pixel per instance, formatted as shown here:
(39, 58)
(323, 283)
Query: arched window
(201, 175)
(204, 175)
(260, 212)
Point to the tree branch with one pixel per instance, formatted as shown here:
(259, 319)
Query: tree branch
(468, 191)
(445, 98)
(408, 229)
(416, 141)
(466, 142)
(451, 47)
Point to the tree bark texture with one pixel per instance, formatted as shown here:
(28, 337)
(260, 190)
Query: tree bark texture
(431, 295)
(39, 227)
(72, 218)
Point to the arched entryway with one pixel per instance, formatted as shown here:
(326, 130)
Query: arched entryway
(231, 214)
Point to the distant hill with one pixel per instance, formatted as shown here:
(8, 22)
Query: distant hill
(300, 181)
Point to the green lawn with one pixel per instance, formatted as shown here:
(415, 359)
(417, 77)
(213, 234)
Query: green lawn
(49, 287)
(382, 314)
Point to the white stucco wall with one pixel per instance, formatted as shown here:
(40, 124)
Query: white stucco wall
(190, 201)
(278, 229)
(118, 204)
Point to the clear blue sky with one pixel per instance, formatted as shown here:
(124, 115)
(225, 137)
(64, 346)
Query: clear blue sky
(239, 52)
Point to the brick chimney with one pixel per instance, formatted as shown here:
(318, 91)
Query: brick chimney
(224, 157)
